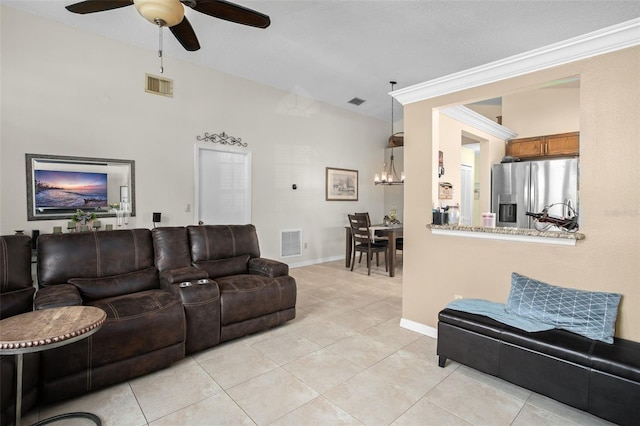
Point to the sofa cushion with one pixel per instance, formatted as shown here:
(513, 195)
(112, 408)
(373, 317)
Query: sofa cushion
(15, 262)
(268, 267)
(243, 297)
(171, 247)
(224, 267)
(590, 314)
(116, 285)
(93, 254)
(211, 242)
(179, 275)
(136, 324)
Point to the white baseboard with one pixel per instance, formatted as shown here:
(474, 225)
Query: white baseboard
(315, 261)
(419, 328)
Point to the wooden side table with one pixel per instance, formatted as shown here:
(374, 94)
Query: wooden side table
(47, 329)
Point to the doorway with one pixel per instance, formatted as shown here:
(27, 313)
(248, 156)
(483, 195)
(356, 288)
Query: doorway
(223, 186)
(466, 195)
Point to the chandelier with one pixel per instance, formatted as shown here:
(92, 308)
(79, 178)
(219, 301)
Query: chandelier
(390, 176)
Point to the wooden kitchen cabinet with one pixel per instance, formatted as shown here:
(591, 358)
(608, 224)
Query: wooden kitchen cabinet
(525, 147)
(562, 144)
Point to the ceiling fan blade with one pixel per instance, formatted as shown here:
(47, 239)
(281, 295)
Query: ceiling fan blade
(232, 12)
(185, 35)
(97, 6)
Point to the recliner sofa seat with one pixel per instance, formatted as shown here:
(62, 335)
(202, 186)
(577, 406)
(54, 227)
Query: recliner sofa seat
(114, 271)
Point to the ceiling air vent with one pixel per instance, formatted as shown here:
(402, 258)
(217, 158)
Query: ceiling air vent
(158, 85)
(356, 101)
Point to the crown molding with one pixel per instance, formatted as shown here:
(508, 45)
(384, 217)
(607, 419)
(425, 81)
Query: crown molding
(480, 122)
(605, 40)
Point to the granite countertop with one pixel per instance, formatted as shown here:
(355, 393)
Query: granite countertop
(510, 231)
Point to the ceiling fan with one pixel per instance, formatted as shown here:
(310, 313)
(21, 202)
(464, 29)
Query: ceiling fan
(170, 13)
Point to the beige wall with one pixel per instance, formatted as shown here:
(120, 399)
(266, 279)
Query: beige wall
(542, 111)
(68, 92)
(436, 267)
(449, 135)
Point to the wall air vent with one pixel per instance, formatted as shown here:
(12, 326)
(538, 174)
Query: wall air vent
(291, 243)
(158, 85)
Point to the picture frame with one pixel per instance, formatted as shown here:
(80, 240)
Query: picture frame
(57, 186)
(341, 184)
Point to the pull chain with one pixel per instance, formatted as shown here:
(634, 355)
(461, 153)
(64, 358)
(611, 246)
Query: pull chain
(160, 48)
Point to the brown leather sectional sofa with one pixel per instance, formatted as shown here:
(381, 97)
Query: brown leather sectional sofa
(167, 293)
(16, 297)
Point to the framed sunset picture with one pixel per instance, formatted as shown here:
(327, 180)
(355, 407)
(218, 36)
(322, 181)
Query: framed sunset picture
(62, 189)
(58, 186)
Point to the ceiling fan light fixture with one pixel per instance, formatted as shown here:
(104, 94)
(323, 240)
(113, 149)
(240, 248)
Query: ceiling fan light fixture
(166, 13)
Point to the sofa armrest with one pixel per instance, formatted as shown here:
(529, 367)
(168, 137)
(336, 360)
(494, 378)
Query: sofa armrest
(178, 275)
(267, 267)
(16, 302)
(56, 296)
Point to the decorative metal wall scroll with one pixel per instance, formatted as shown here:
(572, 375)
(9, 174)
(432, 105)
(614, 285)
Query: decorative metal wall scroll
(222, 139)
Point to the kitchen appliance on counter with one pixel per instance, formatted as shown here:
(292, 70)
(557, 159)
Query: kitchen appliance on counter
(532, 186)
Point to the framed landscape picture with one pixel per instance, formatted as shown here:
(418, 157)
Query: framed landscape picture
(58, 186)
(341, 184)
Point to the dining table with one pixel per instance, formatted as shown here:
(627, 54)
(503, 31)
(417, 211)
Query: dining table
(390, 232)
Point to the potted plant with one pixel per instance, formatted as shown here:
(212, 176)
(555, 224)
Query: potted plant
(82, 218)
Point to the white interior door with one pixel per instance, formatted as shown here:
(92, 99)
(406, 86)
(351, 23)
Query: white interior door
(466, 195)
(223, 186)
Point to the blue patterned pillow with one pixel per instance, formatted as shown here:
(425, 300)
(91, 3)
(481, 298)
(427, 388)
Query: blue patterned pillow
(590, 314)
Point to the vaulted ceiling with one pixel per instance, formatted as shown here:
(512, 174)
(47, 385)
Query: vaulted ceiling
(333, 51)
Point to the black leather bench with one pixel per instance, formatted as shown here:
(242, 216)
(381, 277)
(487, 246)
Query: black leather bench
(600, 378)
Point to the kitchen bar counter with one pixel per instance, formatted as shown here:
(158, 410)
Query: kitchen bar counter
(513, 234)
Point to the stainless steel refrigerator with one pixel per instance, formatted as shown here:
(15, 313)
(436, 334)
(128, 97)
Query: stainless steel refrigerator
(531, 186)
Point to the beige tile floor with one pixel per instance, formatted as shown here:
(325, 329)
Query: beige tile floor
(343, 360)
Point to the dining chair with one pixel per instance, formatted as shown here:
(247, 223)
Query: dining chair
(363, 241)
(376, 239)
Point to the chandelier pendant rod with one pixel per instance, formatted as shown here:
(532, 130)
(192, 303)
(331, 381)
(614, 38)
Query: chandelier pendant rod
(390, 177)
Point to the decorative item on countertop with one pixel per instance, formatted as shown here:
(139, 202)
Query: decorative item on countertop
(122, 211)
(439, 215)
(83, 220)
(568, 222)
(454, 215)
(387, 221)
(489, 220)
